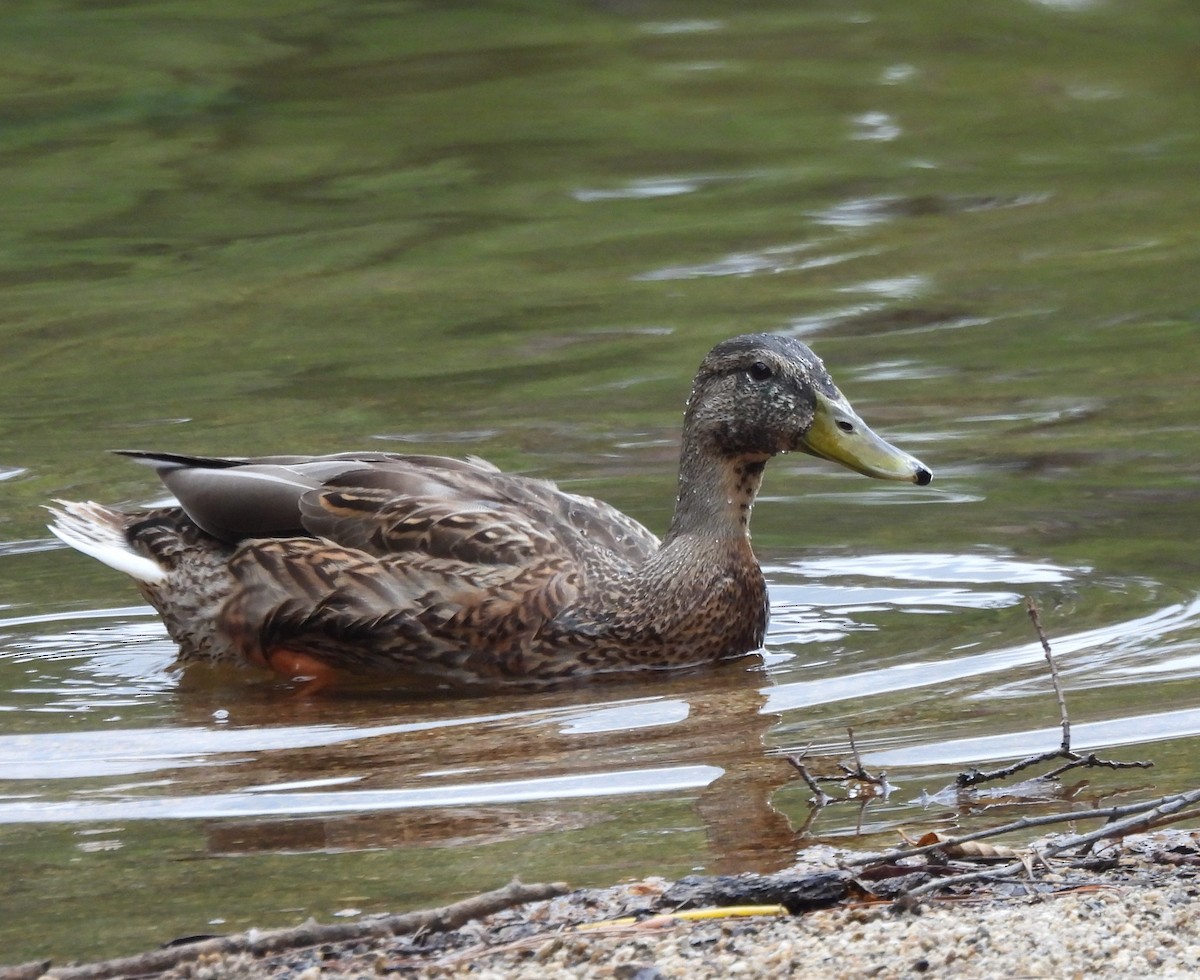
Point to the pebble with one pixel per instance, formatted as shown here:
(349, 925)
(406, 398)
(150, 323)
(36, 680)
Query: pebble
(1117, 933)
(1139, 921)
(1114, 935)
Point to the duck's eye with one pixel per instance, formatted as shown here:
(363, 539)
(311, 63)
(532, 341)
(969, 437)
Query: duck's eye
(760, 371)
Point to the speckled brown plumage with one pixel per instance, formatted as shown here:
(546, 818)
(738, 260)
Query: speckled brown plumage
(388, 564)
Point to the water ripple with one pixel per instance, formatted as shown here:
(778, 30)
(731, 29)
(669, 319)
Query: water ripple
(1142, 729)
(925, 673)
(769, 261)
(264, 801)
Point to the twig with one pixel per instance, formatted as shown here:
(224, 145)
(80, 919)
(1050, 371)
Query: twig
(1036, 619)
(1025, 823)
(820, 797)
(1090, 761)
(262, 942)
(1167, 807)
(972, 777)
(859, 772)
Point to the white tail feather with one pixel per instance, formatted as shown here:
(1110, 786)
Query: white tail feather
(99, 532)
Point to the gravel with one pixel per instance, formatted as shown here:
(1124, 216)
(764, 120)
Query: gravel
(1109, 932)
(1134, 916)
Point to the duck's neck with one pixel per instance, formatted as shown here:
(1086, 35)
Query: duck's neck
(716, 496)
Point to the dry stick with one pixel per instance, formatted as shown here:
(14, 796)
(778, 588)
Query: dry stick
(821, 797)
(1092, 761)
(973, 777)
(1108, 813)
(1130, 824)
(262, 942)
(859, 772)
(1032, 609)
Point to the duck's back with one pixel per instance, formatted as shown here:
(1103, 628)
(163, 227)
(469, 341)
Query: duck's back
(389, 502)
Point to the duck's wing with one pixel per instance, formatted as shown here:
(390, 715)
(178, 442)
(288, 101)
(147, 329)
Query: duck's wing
(416, 505)
(459, 579)
(234, 498)
(351, 611)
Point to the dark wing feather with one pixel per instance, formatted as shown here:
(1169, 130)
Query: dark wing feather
(234, 498)
(365, 614)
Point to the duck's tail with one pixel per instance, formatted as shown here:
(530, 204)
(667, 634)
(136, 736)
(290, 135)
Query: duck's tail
(100, 532)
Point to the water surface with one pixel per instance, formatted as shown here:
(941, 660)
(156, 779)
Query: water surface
(514, 232)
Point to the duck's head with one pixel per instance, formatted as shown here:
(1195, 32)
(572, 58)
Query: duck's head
(761, 394)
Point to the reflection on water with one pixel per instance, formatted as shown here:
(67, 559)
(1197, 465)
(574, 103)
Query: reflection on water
(463, 229)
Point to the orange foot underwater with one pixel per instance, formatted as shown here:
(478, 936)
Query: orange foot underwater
(310, 673)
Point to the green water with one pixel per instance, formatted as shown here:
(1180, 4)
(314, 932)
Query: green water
(513, 231)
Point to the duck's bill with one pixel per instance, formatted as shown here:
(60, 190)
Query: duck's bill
(839, 435)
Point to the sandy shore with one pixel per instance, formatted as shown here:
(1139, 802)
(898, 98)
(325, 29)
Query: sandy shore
(1108, 933)
(1134, 914)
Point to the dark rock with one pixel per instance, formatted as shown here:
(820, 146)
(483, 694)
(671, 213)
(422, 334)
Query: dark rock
(797, 892)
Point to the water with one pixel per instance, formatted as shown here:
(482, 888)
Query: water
(514, 232)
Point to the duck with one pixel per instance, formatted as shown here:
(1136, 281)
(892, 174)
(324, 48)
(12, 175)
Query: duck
(444, 572)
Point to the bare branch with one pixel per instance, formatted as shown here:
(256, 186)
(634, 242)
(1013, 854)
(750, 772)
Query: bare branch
(820, 797)
(1035, 618)
(1090, 761)
(1025, 823)
(1166, 807)
(974, 776)
(859, 772)
(262, 942)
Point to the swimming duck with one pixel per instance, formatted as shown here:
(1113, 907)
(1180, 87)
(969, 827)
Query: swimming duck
(450, 572)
